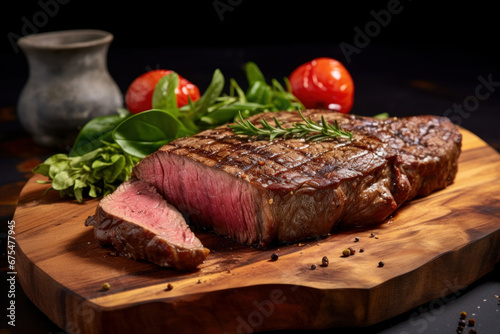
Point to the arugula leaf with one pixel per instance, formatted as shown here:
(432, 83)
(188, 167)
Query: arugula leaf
(240, 94)
(383, 115)
(253, 73)
(200, 107)
(283, 99)
(260, 92)
(228, 112)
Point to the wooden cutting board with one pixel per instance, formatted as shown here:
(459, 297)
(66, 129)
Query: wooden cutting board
(431, 247)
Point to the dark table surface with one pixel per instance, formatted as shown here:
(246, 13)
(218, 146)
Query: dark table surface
(429, 71)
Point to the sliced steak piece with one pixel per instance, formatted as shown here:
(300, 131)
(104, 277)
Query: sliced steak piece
(285, 190)
(137, 221)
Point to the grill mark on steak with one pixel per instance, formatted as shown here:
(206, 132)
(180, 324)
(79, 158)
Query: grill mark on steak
(294, 189)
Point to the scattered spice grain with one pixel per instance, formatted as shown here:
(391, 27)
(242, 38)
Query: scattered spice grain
(313, 266)
(169, 287)
(381, 264)
(106, 286)
(274, 257)
(346, 252)
(324, 261)
(472, 322)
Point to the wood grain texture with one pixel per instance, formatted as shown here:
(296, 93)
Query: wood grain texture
(431, 247)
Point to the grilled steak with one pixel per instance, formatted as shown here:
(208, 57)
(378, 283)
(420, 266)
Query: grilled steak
(260, 191)
(140, 224)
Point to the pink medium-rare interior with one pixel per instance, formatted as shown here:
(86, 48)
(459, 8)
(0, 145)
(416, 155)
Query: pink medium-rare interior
(207, 196)
(142, 205)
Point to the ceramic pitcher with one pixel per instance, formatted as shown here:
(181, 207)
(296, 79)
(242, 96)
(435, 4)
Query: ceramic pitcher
(68, 84)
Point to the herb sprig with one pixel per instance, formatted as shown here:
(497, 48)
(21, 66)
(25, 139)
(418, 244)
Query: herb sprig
(309, 129)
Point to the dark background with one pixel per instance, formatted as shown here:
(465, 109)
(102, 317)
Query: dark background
(427, 59)
(147, 23)
(455, 34)
(434, 48)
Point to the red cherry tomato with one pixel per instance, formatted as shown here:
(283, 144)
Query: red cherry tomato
(323, 83)
(140, 92)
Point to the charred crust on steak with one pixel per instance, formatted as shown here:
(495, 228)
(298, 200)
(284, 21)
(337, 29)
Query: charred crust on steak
(335, 183)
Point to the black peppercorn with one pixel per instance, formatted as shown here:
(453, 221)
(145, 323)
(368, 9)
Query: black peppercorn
(462, 323)
(472, 322)
(472, 331)
(274, 257)
(313, 266)
(381, 264)
(324, 261)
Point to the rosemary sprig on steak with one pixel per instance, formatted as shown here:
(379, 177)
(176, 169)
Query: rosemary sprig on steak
(308, 129)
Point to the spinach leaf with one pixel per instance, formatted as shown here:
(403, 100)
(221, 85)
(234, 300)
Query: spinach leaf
(164, 94)
(95, 131)
(190, 126)
(143, 133)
